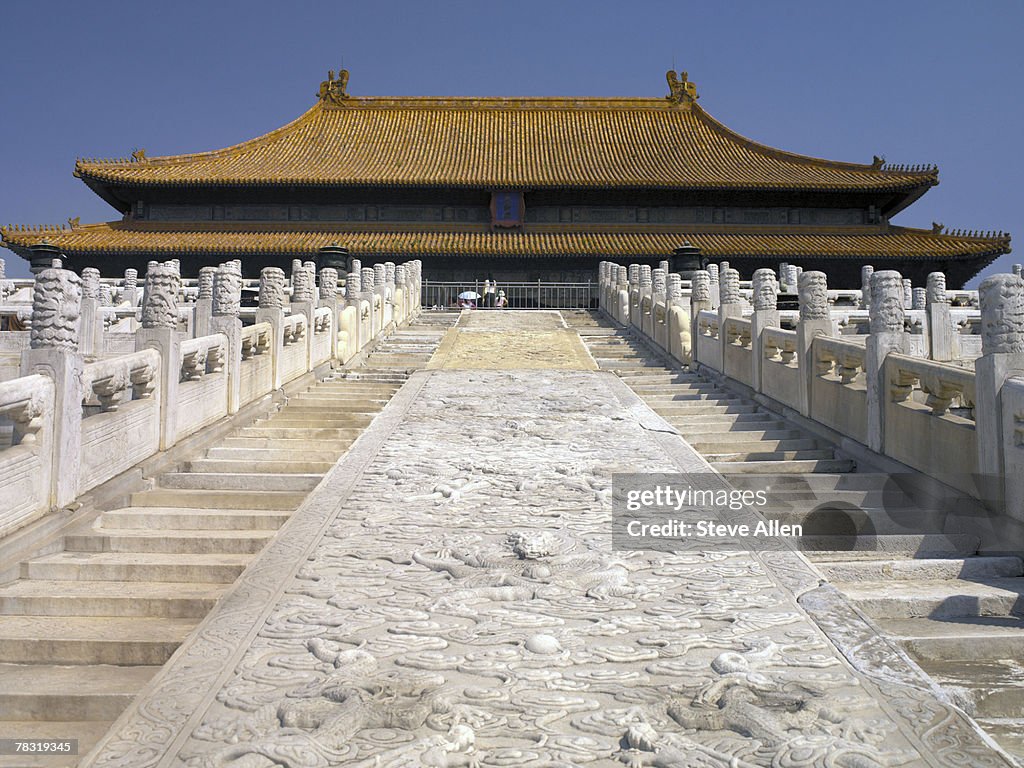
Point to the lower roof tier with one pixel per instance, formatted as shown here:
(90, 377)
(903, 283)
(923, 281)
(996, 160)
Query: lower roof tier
(129, 239)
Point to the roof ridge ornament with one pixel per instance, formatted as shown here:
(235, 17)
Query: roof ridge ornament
(681, 90)
(333, 91)
(139, 155)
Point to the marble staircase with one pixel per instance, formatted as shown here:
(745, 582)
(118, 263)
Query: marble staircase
(958, 614)
(82, 630)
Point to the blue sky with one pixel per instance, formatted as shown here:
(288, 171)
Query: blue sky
(918, 82)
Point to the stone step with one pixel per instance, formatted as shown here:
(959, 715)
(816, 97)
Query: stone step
(992, 687)
(937, 599)
(710, 448)
(622, 364)
(303, 452)
(278, 467)
(169, 541)
(862, 481)
(192, 498)
(767, 455)
(159, 518)
(668, 398)
(725, 440)
(36, 597)
(923, 569)
(701, 426)
(117, 640)
(309, 402)
(86, 732)
(823, 519)
(960, 639)
(794, 467)
(254, 482)
(297, 445)
(123, 566)
(49, 693)
(873, 547)
(302, 433)
(367, 388)
(1008, 732)
(686, 410)
(325, 419)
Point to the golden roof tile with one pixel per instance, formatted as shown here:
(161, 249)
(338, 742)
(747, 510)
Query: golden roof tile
(521, 143)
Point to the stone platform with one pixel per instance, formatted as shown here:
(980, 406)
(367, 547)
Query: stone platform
(448, 596)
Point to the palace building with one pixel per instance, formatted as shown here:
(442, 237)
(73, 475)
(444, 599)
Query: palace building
(518, 188)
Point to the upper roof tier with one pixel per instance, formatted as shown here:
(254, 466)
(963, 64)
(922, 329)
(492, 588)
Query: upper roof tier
(516, 143)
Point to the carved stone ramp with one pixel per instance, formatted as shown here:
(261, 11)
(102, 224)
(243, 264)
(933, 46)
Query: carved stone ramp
(84, 629)
(448, 596)
(894, 557)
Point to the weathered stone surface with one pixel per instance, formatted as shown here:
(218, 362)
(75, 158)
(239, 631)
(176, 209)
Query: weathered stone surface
(226, 291)
(701, 285)
(730, 286)
(1002, 314)
(206, 278)
(160, 300)
(887, 308)
(271, 288)
(56, 310)
(90, 283)
(485, 340)
(764, 289)
(462, 607)
(936, 290)
(813, 295)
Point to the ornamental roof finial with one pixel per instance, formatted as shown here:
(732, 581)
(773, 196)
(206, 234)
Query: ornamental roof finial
(681, 90)
(333, 91)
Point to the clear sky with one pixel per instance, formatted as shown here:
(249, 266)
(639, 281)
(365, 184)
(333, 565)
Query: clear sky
(932, 81)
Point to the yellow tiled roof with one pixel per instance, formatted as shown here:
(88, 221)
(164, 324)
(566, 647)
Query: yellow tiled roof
(301, 240)
(505, 143)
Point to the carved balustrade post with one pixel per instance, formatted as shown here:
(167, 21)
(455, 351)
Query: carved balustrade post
(53, 351)
(226, 305)
(700, 299)
(202, 310)
(716, 294)
(765, 315)
(1002, 356)
(371, 325)
(619, 294)
(130, 293)
(271, 310)
(91, 336)
(160, 332)
(731, 305)
(888, 334)
(815, 320)
(304, 303)
(943, 338)
(865, 285)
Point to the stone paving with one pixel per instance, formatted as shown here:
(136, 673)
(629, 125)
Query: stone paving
(448, 596)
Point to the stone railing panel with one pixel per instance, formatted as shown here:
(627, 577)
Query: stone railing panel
(737, 350)
(323, 335)
(294, 360)
(780, 375)
(126, 428)
(256, 372)
(26, 405)
(202, 392)
(839, 389)
(928, 419)
(708, 345)
(1013, 446)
